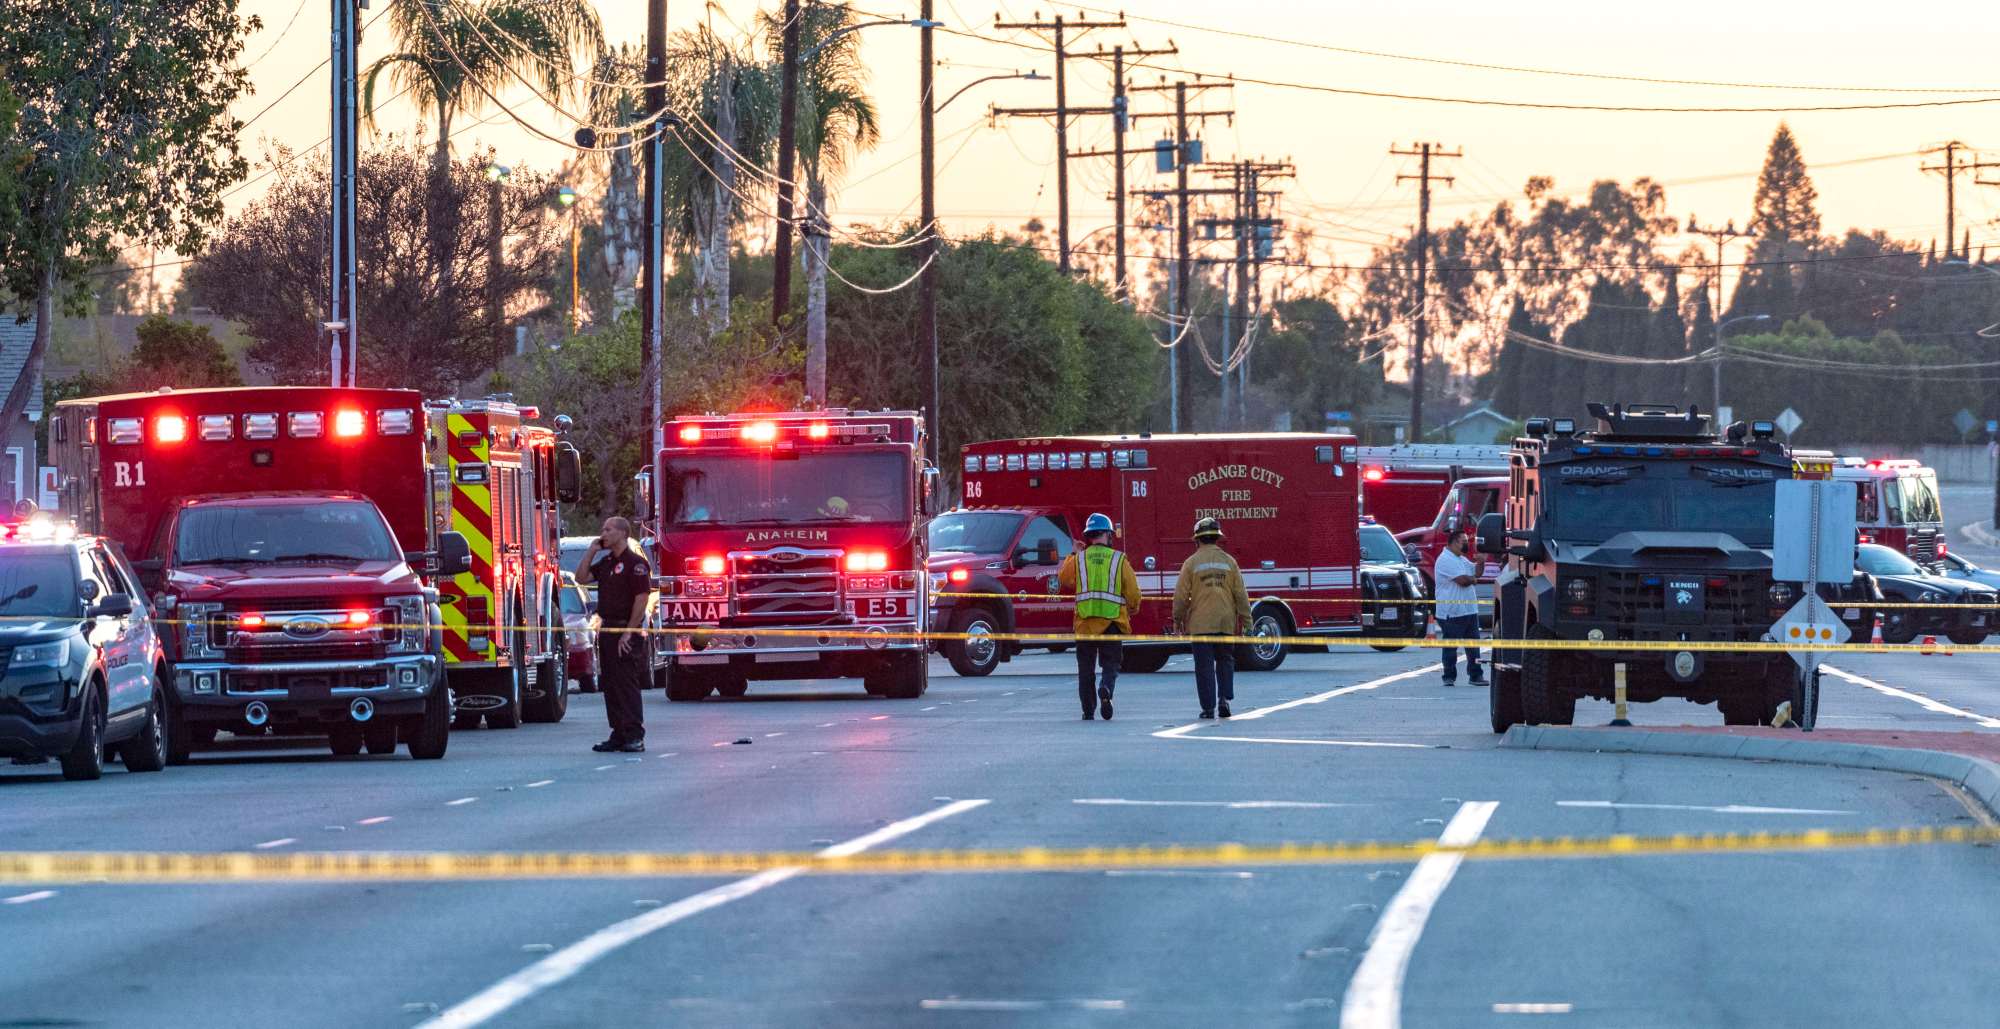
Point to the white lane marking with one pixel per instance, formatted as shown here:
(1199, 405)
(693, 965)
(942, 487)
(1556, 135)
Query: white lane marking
(377, 820)
(824, 725)
(877, 718)
(540, 783)
(459, 801)
(268, 844)
(498, 998)
(974, 1004)
(29, 898)
(1375, 994)
(933, 707)
(1314, 743)
(603, 768)
(1533, 1009)
(769, 735)
(1724, 809)
(1237, 805)
(1916, 698)
(1181, 731)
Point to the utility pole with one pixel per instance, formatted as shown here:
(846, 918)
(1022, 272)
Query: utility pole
(653, 311)
(1121, 120)
(1246, 226)
(343, 320)
(1061, 112)
(927, 282)
(1950, 169)
(1186, 152)
(788, 119)
(1423, 152)
(1721, 237)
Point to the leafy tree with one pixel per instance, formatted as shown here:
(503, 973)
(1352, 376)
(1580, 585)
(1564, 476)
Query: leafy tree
(1321, 366)
(1698, 377)
(457, 57)
(1786, 224)
(176, 352)
(422, 325)
(835, 119)
(1513, 388)
(729, 104)
(616, 94)
(1666, 340)
(124, 121)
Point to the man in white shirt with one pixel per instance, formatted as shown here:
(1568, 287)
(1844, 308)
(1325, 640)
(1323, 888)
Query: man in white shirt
(1458, 607)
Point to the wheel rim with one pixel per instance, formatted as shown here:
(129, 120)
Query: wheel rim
(979, 644)
(159, 726)
(1267, 647)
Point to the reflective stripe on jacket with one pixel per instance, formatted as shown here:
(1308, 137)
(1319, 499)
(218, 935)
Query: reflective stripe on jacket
(1105, 587)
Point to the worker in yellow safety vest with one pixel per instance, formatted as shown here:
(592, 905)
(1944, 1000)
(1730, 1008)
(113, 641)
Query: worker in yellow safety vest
(1107, 592)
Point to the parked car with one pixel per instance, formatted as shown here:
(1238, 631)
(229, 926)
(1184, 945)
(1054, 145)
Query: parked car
(1956, 566)
(1388, 575)
(580, 624)
(1904, 581)
(84, 679)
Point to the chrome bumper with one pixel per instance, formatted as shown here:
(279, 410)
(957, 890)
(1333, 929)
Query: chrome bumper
(793, 643)
(405, 676)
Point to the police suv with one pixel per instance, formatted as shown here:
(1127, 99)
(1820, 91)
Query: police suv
(83, 668)
(1648, 529)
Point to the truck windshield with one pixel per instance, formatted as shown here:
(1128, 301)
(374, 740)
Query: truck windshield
(1592, 503)
(38, 585)
(1912, 500)
(973, 532)
(844, 487)
(1379, 546)
(267, 532)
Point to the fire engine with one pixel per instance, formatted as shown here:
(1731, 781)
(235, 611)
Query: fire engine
(1896, 505)
(1404, 486)
(1288, 504)
(1464, 504)
(268, 524)
(499, 481)
(794, 544)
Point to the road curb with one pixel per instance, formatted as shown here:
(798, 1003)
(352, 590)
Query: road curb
(1978, 777)
(1980, 534)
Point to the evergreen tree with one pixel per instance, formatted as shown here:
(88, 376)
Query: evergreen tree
(1700, 336)
(1666, 340)
(1505, 393)
(1786, 226)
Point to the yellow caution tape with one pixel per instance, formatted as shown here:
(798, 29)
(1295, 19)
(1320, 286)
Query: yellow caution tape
(1872, 605)
(22, 868)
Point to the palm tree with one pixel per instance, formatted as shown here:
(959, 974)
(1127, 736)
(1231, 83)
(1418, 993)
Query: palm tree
(617, 97)
(729, 106)
(457, 56)
(836, 119)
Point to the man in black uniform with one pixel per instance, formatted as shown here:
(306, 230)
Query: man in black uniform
(624, 582)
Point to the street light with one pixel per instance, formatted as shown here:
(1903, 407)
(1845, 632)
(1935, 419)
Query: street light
(566, 197)
(1716, 365)
(1032, 76)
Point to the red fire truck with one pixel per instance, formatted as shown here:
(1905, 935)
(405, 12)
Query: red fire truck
(1897, 504)
(1463, 504)
(794, 543)
(499, 481)
(1402, 487)
(1287, 503)
(269, 526)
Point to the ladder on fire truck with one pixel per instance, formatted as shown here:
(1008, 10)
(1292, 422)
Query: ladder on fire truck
(1434, 455)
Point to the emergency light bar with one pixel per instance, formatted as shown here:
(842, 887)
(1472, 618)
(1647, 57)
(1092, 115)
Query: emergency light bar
(765, 433)
(259, 425)
(1670, 451)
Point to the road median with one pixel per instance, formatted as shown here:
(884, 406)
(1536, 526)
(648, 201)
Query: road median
(1968, 760)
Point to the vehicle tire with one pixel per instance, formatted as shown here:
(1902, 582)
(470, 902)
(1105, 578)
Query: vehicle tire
(508, 715)
(973, 658)
(899, 676)
(1138, 660)
(1740, 712)
(686, 685)
(1386, 649)
(1271, 621)
(731, 686)
(379, 737)
(85, 758)
(182, 738)
(345, 741)
(1059, 648)
(147, 752)
(1543, 701)
(586, 683)
(1503, 699)
(1905, 633)
(553, 704)
(428, 734)
(1967, 637)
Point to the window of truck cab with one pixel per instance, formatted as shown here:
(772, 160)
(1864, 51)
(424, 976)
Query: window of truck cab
(823, 486)
(265, 531)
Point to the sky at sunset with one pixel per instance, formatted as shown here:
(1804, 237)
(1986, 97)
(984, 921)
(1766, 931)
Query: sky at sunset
(1003, 174)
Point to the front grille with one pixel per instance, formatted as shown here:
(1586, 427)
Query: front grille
(807, 586)
(1641, 597)
(1923, 547)
(305, 652)
(271, 643)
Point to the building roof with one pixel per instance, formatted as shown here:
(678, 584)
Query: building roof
(16, 338)
(1481, 411)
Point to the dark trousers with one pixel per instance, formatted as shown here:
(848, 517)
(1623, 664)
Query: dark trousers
(621, 679)
(1460, 627)
(1101, 652)
(1214, 673)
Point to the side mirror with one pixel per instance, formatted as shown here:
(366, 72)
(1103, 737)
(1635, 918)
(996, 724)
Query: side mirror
(642, 491)
(87, 590)
(1492, 533)
(1451, 522)
(928, 501)
(1045, 552)
(454, 554)
(117, 605)
(569, 474)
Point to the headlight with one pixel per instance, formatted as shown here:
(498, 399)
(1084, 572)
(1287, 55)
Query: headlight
(1930, 597)
(1577, 590)
(41, 655)
(412, 634)
(1781, 594)
(1415, 584)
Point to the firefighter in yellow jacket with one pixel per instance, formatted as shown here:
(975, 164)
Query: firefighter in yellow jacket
(1209, 600)
(1107, 592)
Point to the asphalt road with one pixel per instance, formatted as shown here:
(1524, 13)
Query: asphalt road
(1348, 746)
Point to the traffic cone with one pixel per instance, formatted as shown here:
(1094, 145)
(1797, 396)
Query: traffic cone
(1431, 629)
(1928, 647)
(1876, 640)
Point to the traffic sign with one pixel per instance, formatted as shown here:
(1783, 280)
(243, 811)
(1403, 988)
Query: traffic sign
(1789, 421)
(1992, 426)
(1964, 421)
(1814, 538)
(1809, 621)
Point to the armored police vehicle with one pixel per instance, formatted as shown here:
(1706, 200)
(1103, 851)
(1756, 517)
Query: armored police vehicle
(1648, 529)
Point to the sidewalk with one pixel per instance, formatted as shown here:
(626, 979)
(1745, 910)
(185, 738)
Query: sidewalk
(1970, 760)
